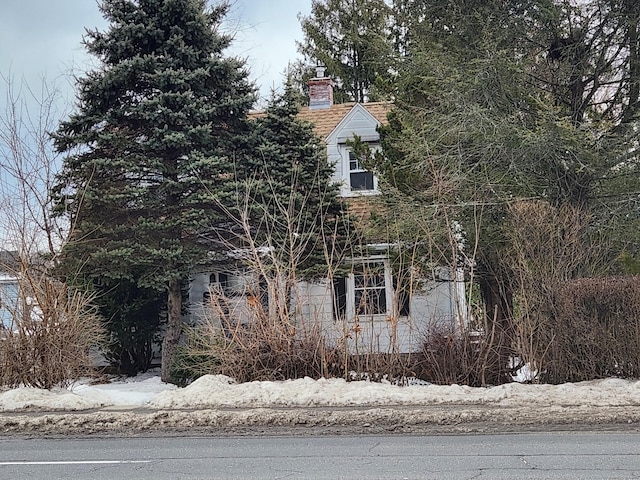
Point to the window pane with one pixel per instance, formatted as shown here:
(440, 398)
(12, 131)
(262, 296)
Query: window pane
(340, 298)
(370, 302)
(361, 181)
(379, 299)
(376, 280)
(370, 290)
(354, 164)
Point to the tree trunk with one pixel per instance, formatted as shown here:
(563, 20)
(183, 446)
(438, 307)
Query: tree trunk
(174, 328)
(632, 14)
(498, 302)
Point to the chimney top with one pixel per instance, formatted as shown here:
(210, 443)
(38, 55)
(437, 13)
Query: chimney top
(320, 90)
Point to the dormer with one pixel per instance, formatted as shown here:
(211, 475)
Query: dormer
(337, 125)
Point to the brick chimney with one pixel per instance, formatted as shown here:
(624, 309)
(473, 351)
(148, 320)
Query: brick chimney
(320, 90)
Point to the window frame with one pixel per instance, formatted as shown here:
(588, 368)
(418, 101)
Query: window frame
(359, 170)
(344, 293)
(348, 191)
(229, 285)
(366, 283)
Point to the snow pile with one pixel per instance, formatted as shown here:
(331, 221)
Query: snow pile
(138, 391)
(219, 391)
(214, 391)
(127, 393)
(36, 398)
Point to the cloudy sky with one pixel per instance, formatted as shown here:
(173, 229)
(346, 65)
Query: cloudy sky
(42, 38)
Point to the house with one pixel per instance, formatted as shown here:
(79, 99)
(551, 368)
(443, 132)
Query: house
(9, 289)
(373, 306)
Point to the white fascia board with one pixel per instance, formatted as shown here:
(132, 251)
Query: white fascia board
(337, 136)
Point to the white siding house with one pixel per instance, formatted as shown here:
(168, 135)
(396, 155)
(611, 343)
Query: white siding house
(364, 307)
(9, 289)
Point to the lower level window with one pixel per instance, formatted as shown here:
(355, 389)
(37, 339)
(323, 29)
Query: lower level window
(371, 289)
(370, 292)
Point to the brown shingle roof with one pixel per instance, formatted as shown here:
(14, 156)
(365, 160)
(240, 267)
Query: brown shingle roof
(327, 119)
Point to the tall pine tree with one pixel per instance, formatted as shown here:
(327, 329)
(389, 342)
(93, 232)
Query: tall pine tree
(352, 39)
(295, 190)
(151, 148)
(500, 101)
(288, 223)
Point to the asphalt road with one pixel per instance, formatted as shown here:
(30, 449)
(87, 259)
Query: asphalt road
(514, 456)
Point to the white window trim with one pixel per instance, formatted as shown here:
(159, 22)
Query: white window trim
(346, 174)
(388, 289)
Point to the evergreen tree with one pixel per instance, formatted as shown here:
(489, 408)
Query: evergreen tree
(460, 25)
(132, 316)
(288, 223)
(152, 146)
(493, 108)
(294, 190)
(352, 39)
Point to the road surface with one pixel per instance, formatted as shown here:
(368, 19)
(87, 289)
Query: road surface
(585, 455)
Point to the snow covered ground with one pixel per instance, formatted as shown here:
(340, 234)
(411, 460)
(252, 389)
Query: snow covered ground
(218, 391)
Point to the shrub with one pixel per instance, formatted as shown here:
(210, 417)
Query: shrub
(52, 335)
(259, 350)
(596, 332)
(133, 321)
(464, 358)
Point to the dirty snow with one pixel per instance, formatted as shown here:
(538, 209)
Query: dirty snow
(213, 391)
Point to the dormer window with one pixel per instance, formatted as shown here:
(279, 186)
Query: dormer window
(359, 178)
(339, 126)
(355, 178)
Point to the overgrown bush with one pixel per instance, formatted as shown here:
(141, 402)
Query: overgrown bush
(548, 248)
(596, 332)
(463, 358)
(259, 350)
(133, 321)
(51, 337)
(49, 332)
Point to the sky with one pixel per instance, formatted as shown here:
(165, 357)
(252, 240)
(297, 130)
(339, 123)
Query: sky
(41, 39)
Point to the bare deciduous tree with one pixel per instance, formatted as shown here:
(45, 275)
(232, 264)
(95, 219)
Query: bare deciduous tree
(50, 330)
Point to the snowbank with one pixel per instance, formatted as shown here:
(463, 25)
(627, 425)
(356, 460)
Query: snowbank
(127, 393)
(219, 391)
(216, 391)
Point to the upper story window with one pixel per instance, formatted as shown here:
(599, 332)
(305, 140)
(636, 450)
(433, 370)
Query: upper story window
(356, 179)
(359, 178)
